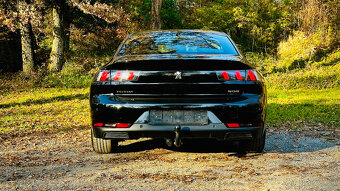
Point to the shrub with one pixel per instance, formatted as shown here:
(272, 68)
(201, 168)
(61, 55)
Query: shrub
(311, 78)
(300, 49)
(331, 59)
(66, 80)
(263, 63)
(73, 75)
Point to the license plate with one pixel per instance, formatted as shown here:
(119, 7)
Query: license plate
(178, 117)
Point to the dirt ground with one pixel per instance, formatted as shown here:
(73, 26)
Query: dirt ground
(65, 161)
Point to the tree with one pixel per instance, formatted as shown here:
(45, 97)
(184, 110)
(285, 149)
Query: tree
(156, 6)
(99, 26)
(170, 15)
(26, 38)
(22, 14)
(256, 25)
(57, 53)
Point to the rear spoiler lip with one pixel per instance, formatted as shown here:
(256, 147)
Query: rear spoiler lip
(174, 62)
(129, 58)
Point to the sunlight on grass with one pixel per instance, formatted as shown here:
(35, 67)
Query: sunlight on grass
(313, 106)
(54, 108)
(43, 94)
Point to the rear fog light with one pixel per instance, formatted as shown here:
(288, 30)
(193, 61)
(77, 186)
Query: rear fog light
(123, 125)
(113, 125)
(98, 124)
(233, 125)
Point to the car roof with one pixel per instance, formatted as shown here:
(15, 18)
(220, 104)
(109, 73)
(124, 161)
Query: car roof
(181, 30)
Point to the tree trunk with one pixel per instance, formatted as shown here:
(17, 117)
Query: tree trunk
(156, 6)
(27, 50)
(57, 53)
(66, 37)
(67, 20)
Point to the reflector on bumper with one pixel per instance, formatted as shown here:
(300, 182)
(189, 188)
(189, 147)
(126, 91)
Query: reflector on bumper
(114, 125)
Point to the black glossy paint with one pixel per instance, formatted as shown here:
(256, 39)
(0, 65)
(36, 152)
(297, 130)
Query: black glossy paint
(157, 88)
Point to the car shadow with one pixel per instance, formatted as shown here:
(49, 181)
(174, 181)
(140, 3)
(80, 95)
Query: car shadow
(282, 142)
(141, 145)
(193, 146)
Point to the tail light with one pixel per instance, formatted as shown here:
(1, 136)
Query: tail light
(118, 76)
(122, 125)
(225, 75)
(233, 125)
(240, 75)
(103, 76)
(251, 75)
(98, 124)
(113, 125)
(121, 76)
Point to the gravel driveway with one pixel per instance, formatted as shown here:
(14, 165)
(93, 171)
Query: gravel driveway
(65, 161)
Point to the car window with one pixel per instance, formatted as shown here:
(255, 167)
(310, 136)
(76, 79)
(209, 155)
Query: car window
(177, 42)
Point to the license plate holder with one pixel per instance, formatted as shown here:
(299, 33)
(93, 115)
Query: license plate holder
(178, 117)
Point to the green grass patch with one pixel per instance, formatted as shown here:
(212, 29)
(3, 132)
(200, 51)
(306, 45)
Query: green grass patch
(45, 108)
(300, 107)
(65, 80)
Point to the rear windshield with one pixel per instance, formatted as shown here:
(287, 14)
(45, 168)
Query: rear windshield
(177, 42)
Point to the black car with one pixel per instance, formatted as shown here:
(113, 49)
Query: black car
(175, 85)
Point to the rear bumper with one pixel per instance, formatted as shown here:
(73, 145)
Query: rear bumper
(215, 129)
(211, 131)
(249, 109)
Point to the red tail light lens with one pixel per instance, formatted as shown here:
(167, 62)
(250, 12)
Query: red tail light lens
(103, 76)
(233, 124)
(123, 76)
(123, 125)
(98, 124)
(225, 75)
(130, 76)
(238, 75)
(117, 76)
(231, 75)
(251, 76)
(113, 125)
(245, 75)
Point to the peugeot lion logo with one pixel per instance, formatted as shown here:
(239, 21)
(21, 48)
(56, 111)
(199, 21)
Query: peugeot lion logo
(178, 75)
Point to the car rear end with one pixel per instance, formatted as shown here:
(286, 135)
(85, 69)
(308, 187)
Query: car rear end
(203, 96)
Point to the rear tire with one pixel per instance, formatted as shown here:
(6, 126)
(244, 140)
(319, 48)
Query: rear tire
(103, 146)
(256, 145)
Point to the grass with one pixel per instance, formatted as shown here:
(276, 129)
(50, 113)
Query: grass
(61, 109)
(309, 78)
(303, 107)
(55, 109)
